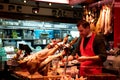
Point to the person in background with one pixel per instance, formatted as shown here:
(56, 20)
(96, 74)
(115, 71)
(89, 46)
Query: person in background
(90, 50)
(116, 60)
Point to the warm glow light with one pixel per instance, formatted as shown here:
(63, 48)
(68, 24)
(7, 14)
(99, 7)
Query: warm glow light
(72, 6)
(35, 10)
(56, 1)
(50, 4)
(25, 1)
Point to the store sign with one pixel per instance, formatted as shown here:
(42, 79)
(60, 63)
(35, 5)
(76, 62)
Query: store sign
(55, 1)
(14, 8)
(10, 8)
(40, 11)
(58, 13)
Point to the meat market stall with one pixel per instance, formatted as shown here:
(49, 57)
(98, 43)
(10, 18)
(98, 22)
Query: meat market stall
(38, 65)
(41, 65)
(45, 65)
(24, 75)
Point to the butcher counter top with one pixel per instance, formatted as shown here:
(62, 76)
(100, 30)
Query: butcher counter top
(24, 75)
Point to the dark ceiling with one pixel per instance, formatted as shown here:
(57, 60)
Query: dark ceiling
(53, 5)
(45, 5)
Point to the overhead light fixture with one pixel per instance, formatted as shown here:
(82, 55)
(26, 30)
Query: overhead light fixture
(50, 4)
(35, 10)
(72, 6)
(24, 1)
(84, 7)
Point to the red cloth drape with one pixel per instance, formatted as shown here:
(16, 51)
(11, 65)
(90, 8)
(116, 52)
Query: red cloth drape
(116, 15)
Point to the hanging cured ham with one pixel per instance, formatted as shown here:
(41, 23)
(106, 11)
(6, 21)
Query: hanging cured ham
(107, 28)
(38, 61)
(104, 21)
(32, 61)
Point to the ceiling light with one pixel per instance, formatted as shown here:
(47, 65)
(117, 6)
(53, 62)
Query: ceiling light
(25, 1)
(72, 6)
(50, 4)
(35, 10)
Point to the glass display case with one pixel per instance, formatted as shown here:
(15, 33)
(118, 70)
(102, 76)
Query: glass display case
(36, 33)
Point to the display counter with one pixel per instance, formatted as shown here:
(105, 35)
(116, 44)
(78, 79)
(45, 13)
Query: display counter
(103, 76)
(24, 75)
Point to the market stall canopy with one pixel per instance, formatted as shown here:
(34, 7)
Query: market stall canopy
(62, 4)
(71, 2)
(75, 2)
(55, 1)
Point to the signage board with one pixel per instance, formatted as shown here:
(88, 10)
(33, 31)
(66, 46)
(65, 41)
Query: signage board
(4, 7)
(42, 11)
(56, 1)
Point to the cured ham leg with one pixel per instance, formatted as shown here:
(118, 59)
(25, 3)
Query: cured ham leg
(50, 58)
(101, 21)
(104, 21)
(32, 61)
(107, 21)
(45, 52)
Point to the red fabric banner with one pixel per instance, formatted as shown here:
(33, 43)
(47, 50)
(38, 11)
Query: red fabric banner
(116, 23)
